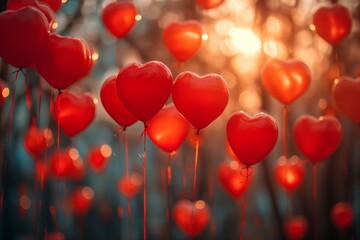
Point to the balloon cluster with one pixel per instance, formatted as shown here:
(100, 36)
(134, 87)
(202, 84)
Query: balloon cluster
(142, 92)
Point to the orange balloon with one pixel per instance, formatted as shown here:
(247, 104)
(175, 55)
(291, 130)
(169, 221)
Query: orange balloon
(285, 80)
(346, 95)
(183, 39)
(232, 178)
(168, 128)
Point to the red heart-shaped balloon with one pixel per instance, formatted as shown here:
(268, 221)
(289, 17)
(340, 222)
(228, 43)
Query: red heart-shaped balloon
(183, 39)
(74, 112)
(15, 26)
(37, 140)
(44, 8)
(191, 217)
(144, 89)
(346, 95)
(208, 4)
(200, 99)
(132, 186)
(113, 105)
(285, 80)
(119, 18)
(296, 227)
(67, 163)
(4, 91)
(81, 200)
(232, 178)
(98, 156)
(53, 4)
(317, 138)
(342, 215)
(333, 23)
(289, 175)
(251, 138)
(64, 61)
(168, 128)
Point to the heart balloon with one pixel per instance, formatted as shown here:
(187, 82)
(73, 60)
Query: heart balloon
(168, 128)
(342, 215)
(113, 105)
(346, 95)
(285, 80)
(191, 217)
(98, 157)
(37, 140)
(144, 89)
(333, 23)
(26, 23)
(183, 39)
(64, 60)
(132, 186)
(4, 91)
(44, 8)
(81, 200)
(318, 138)
(296, 227)
(232, 178)
(251, 138)
(200, 99)
(53, 4)
(67, 163)
(119, 18)
(208, 4)
(74, 112)
(289, 175)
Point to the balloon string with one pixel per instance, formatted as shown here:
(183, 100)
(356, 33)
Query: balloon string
(196, 162)
(40, 98)
(315, 201)
(284, 112)
(168, 178)
(12, 108)
(128, 180)
(35, 200)
(57, 162)
(144, 170)
(28, 95)
(244, 205)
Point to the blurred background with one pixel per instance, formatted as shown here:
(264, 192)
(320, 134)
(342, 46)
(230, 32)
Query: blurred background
(238, 37)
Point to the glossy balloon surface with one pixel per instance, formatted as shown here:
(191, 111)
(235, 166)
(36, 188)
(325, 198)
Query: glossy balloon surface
(26, 23)
(208, 4)
(74, 112)
(285, 80)
(113, 105)
(53, 4)
(144, 88)
(251, 138)
(332, 23)
(200, 99)
(64, 61)
(119, 18)
(346, 96)
(317, 138)
(168, 128)
(183, 39)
